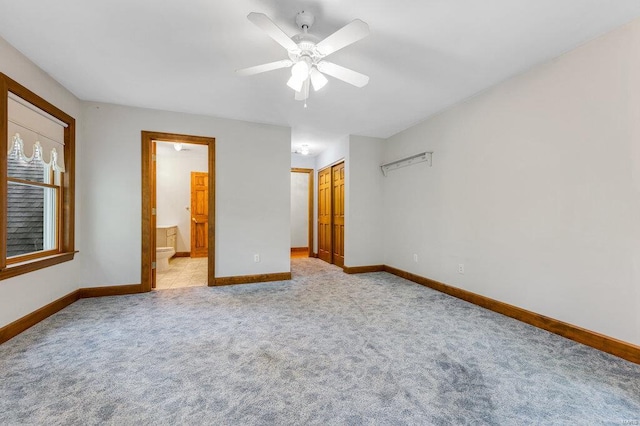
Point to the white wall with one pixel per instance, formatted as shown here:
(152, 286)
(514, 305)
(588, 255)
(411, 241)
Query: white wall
(363, 236)
(299, 209)
(252, 191)
(363, 197)
(535, 188)
(302, 161)
(334, 153)
(173, 187)
(24, 294)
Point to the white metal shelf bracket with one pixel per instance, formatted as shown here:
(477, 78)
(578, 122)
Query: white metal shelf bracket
(414, 159)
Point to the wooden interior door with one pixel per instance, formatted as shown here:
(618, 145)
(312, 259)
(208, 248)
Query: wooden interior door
(153, 213)
(325, 251)
(199, 214)
(337, 202)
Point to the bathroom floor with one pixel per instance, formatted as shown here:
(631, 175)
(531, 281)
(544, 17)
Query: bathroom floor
(183, 272)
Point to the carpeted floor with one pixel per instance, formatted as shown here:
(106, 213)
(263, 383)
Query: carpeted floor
(324, 348)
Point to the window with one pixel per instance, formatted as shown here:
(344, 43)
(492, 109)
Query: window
(36, 181)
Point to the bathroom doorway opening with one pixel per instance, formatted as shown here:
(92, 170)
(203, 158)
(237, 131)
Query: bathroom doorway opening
(168, 163)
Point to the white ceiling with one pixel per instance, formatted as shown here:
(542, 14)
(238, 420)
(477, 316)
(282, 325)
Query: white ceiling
(422, 55)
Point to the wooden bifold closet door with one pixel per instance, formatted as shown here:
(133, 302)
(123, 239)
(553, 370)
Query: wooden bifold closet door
(337, 202)
(331, 214)
(324, 215)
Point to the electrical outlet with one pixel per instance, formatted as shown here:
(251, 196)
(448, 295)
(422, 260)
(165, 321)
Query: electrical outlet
(461, 268)
(415, 257)
(256, 258)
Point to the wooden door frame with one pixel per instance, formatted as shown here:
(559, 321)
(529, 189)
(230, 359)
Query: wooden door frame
(154, 218)
(311, 189)
(148, 182)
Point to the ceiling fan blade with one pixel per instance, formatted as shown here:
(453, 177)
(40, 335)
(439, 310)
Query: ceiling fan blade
(303, 94)
(350, 33)
(285, 63)
(344, 74)
(263, 22)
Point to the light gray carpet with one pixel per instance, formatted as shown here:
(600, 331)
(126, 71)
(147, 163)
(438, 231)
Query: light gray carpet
(324, 348)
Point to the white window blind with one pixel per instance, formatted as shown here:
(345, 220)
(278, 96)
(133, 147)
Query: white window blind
(34, 135)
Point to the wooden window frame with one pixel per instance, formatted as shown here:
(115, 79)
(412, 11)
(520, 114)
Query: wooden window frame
(66, 208)
(58, 191)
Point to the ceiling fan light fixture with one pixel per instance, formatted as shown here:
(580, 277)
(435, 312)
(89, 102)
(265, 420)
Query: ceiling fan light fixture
(318, 80)
(300, 70)
(304, 150)
(303, 93)
(295, 83)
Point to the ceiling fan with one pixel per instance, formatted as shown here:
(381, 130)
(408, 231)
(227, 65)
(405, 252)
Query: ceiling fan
(307, 53)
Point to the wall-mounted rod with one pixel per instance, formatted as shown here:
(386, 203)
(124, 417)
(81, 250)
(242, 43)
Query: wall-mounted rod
(414, 159)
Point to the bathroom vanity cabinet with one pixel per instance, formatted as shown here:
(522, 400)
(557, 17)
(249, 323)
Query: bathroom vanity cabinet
(166, 236)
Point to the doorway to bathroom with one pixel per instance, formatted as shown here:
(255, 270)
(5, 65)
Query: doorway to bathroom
(178, 210)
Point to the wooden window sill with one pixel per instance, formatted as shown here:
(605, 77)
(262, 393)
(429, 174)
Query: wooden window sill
(33, 265)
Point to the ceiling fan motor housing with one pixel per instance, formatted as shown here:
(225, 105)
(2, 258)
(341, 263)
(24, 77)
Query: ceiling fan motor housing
(306, 42)
(306, 47)
(304, 19)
